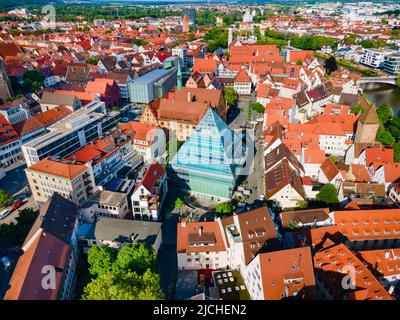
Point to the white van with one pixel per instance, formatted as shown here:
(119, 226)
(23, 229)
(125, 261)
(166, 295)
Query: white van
(4, 213)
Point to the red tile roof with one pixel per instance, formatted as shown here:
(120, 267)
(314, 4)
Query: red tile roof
(62, 169)
(287, 273)
(330, 267)
(153, 173)
(191, 235)
(26, 282)
(7, 132)
(204, 65)
(242, 76)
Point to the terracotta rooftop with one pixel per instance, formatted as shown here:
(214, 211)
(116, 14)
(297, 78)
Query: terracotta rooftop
(63, 169)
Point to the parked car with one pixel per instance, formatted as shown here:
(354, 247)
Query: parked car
(5, 262)
(18, 204)
(5, 213)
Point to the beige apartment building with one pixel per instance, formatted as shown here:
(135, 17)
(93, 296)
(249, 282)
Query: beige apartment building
(72, 181)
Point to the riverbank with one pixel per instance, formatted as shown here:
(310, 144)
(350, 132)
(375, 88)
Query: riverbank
(380, 93)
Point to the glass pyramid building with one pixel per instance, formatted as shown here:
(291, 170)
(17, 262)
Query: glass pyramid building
(207, 163)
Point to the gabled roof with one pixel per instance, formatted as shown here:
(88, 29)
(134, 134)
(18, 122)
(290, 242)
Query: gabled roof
(287, 274)
(302, 217)
(242, 76)
(45, 250)
(153, 173)
(57, 217)
(27, 126)
(278, 155)
(329, 169)
(257, 231)
(329, 264)
(139, 131)
(279, 177)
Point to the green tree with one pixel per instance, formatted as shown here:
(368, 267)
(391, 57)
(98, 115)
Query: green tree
(191, 37)
(302, 204)
(179, 203)
(396, 150)
(225, 208)
(328, 194)
(398, 80)
(385, 113)
(351, 39)
(101, 259)
(384, 136)
(91, 60)
(124, 286)
(137, 257)
(299, 62)
(231, 97)
(256, 106)
(358, 108)
(16, 232)
(368, 44)
(123, 275)
(33, 75)
(5, 198)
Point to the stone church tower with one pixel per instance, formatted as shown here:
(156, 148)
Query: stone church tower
(186, 27)
(367, 125)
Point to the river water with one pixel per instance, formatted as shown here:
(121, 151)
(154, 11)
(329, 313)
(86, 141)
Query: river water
(380, 93)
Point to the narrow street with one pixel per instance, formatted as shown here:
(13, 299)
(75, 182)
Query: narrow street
(167, 258)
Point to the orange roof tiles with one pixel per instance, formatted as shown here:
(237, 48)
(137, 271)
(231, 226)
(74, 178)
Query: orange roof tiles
(329, 169)
(314, 155)
(242, 76)
(330, 268)
(191, 235)
(139, 131)
(26, 284)
(204, 65)
(381, 155)
(62, 169)
(287, 273)
(7, 132)
(51, 116)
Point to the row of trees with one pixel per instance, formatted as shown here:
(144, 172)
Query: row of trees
(305, 42)
(31, 81)
(389, 129)
(216, 38)
(130, 273)
(15, 233)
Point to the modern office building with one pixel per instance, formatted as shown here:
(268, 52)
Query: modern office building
(71, 180)
(374, 57)
(391, 64)
(207, 164)
(152, 85)
(71, 133)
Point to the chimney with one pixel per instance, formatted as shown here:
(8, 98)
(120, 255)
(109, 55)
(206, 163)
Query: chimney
(183, 223)
(387, 254)
(189, 96)
(200, 231)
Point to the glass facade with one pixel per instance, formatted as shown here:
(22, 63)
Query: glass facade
(207, 162)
